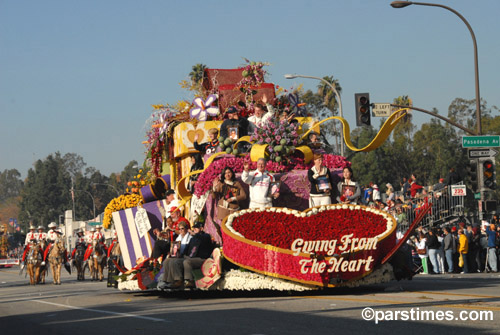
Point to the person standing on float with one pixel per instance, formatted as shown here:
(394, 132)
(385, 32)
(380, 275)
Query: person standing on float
(260, 181)
(321, 183)
(349, 190)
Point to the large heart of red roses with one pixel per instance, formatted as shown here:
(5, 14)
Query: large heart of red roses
(322, 246)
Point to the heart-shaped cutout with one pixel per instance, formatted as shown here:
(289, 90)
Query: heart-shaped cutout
(191, 134)
(321, 246)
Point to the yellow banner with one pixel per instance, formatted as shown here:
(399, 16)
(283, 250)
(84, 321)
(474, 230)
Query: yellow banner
(382, 134)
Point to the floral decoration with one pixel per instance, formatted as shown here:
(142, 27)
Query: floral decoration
(281, 228)
(281, 139)
(214, 170)
(253, 74)
(124, 201)
(272, 253)
(204, 108)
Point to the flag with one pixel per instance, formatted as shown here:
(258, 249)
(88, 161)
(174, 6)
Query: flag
(72, 194)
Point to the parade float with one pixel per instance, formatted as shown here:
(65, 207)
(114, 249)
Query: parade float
(285, 247)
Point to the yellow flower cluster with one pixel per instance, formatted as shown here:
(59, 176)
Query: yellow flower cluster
(124, 201)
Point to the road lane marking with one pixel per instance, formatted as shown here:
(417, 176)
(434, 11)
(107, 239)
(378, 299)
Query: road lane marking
(458, 294)
(102, 311)
(429, 304)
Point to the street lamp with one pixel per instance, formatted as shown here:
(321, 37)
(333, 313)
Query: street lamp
(337, 95)
(93, 201)
(402, 4)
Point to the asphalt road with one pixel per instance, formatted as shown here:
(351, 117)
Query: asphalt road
(92, 308)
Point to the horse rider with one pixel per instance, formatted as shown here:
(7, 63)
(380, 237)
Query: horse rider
(95, 236)
(52, 236)
(30, 237)
(41, 235)
(80, 241)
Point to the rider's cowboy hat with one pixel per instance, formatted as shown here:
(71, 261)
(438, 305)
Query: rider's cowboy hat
(41, 227)
(32, 227)
(92, 229)
(52, 225)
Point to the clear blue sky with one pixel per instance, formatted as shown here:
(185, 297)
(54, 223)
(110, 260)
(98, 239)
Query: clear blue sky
(80, 76)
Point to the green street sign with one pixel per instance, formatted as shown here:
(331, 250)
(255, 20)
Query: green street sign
(94, 223)
(477, 196)
(481, 141)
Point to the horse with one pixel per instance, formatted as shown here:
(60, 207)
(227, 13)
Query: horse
(97, 261)
(33, 263)
(56, 259)
(79, 263)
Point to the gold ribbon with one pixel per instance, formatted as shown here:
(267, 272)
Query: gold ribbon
(382, 134)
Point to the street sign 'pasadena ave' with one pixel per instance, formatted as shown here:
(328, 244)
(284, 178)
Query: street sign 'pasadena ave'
(481, 141)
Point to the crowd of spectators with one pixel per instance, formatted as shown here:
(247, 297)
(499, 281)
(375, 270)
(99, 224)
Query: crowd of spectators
(457, 249)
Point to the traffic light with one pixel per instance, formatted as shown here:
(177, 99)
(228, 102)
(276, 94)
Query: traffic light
(472, 171)
(362, 102)
(489, 174)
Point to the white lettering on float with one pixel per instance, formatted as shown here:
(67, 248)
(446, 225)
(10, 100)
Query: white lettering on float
(347, 244)
(335, 265)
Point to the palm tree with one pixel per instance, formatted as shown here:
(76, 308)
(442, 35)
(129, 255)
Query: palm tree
(325, 91)
(197, 72)
(330, 102)
(406, 125)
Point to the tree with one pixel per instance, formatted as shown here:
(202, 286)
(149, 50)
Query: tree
(463, 112)
(437, 144)
(331, 107)
(324, 104)
(10, 184)
(196, 76)
(129, 172)
(46, 193)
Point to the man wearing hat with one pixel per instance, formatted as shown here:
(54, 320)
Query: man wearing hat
(175, 214)
(41, 235)
(170, 202)
(439, 186)
(30, 237)
(52, 236)
(80, 242)
(90, 238)
(96, 235)
(234, 121)
(210, 147)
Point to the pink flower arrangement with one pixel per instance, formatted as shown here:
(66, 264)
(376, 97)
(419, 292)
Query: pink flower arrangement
(213, 171)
